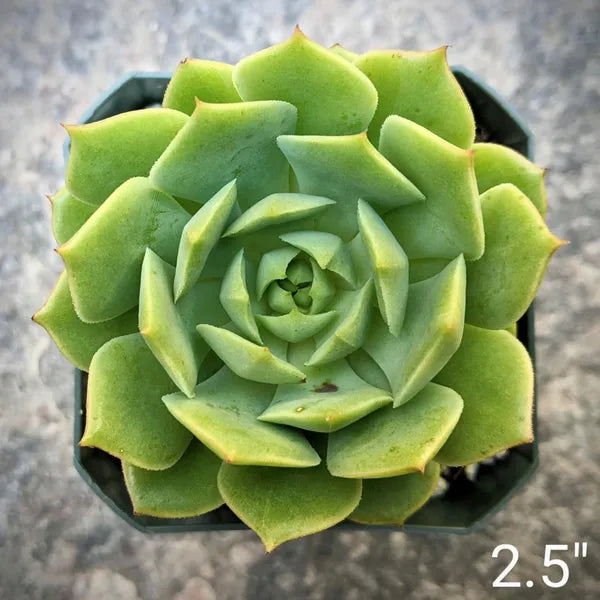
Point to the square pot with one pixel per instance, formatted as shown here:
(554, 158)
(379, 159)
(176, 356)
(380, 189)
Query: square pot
(469, 500)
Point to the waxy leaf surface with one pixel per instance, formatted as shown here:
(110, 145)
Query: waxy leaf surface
(223, 415)
(449, 222)
(395, 441)
(431, 333)
(391, 500)
(125, 415)
(104, 258)
(285, 504)
(332, 96)
(207, 80)
(346, 168)
(496, 164)
(79, 341)
(187, 489)
(421, 87)
(107, 153)
(221, 142)
(493, 373)
(68, 214)
(518, 247)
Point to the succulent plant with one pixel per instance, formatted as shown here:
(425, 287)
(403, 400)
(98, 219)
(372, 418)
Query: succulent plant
(290, 286)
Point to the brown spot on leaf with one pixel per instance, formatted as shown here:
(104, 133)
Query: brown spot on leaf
(326, 387)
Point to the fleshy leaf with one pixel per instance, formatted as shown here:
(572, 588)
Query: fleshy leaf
(276, 209)
(449, 222)
(187, 489)
(346, 168)
(389, 266)
(327, 249)
(332, 96)
(125, 415)
(295, 326)
(107, 153)
(170, 330)
(368, 370)
(247, 359)
(68, 214)
(207, 80)
(79, 341)
(104, 257)
(300, 272)
(223, 414)
(431, 333)
(221, 142)
(518, 248)
(421, 87)
(492, 372)
(322, 289)
(496, 164)
(424, 268)
(235, 299)
(344, 52)
(332, 397)
(395, 441)
(280, 300)
(285, 504)
(391, 500)
(273, 266)
(348, 332)
(200, 236)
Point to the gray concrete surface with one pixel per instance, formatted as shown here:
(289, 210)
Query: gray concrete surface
(58, 541)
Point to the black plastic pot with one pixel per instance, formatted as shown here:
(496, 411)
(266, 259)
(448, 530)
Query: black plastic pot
(469, 501)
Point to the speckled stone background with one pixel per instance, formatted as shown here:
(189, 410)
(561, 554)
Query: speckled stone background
(57, 540)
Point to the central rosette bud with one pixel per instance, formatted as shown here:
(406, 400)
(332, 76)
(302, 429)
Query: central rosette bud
(294, 291)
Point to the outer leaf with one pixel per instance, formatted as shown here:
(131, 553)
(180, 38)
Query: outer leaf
(223, 416)
(249, 360)
(187, 489)
(332, 397)
(390, 501)
(207, 80)
(344, 52)
(421, 87)
(107, 153)
(333, 97)
(235, 299)
(200, 236)
(518, 248)
(327, 249)
(395, 441)
(78, 341)
(125, 415)
(347, 333)
(389, 265)
(221, 142)
(276, 209)
(285, 504)
(68, 214)
(449, 222)
(346, 168)
(431, 334)
(493, 373)
(169, 330)
(295, 326)
(104, 257)
(496, 164)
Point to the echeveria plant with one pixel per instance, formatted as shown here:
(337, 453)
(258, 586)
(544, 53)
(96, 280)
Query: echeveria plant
(291, 287)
